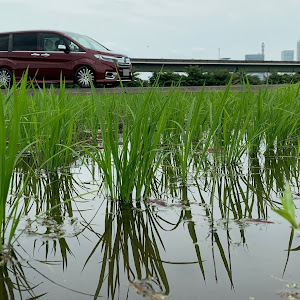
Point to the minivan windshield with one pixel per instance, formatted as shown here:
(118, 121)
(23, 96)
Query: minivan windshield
(87, 42)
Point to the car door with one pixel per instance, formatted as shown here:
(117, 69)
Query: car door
(54, 62)
(3, 46)
(24, 54)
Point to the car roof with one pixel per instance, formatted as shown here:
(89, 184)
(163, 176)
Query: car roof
(62, 32)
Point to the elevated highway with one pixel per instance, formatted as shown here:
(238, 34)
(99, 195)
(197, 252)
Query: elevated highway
(181, 65)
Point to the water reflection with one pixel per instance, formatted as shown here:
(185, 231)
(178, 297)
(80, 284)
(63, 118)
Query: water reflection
(131, 238)
(280, 166)
(13, 281)
(186, 215)
(212, 236)
(216, 208)
(49, 212)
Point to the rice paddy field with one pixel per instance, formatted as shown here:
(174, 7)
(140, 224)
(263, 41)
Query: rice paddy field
(154, 195)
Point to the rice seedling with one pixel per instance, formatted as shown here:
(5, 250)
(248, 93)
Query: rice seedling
(288, 211)
(185, 148)
(51, 123)
(9, 154)
(282, 113)
(133, 138)
(129, 168)
(15, 141)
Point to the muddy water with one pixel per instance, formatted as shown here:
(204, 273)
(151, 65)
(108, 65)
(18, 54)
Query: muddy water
(215, 238)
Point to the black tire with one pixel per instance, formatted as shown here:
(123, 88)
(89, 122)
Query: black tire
(82, 76)
(6, 77)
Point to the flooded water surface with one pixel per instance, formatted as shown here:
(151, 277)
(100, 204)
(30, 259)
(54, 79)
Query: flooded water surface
(214, 238)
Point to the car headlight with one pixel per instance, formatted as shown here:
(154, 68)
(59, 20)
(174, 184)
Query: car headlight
(106, 58)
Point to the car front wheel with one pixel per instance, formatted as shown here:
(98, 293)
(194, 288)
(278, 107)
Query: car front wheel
(83, 76)
(5, 78)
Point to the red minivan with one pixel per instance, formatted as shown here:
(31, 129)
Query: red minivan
(50, 54)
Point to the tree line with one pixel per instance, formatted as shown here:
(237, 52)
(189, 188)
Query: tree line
(195, 76)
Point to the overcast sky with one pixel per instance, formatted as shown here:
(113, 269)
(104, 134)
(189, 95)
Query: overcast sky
(167, 29)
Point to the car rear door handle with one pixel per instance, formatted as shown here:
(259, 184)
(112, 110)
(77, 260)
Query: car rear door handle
(45, 54)
(35, 54)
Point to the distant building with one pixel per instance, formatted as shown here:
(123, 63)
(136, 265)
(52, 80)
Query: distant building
(298, 51)
(260, 57)
(287, 55)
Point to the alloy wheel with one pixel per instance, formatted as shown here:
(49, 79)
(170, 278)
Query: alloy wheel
(83, 76)
(5, 78)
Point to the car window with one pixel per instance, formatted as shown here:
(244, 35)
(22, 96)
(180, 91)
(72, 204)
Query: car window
(83, 42)
(4, 42)
(51, 41)
(25, 41)
(87, 42)
(73, 47)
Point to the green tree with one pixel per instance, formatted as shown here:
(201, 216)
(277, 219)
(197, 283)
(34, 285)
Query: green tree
(296, 77)
(275, 78)
(167, 78)
(254, 80)
(218, 77)
(196, 76)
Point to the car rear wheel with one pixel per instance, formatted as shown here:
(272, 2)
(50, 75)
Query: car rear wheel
(5, 78)
(83, 76)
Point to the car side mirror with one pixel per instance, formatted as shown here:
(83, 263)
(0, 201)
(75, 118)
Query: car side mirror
(62, 47)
